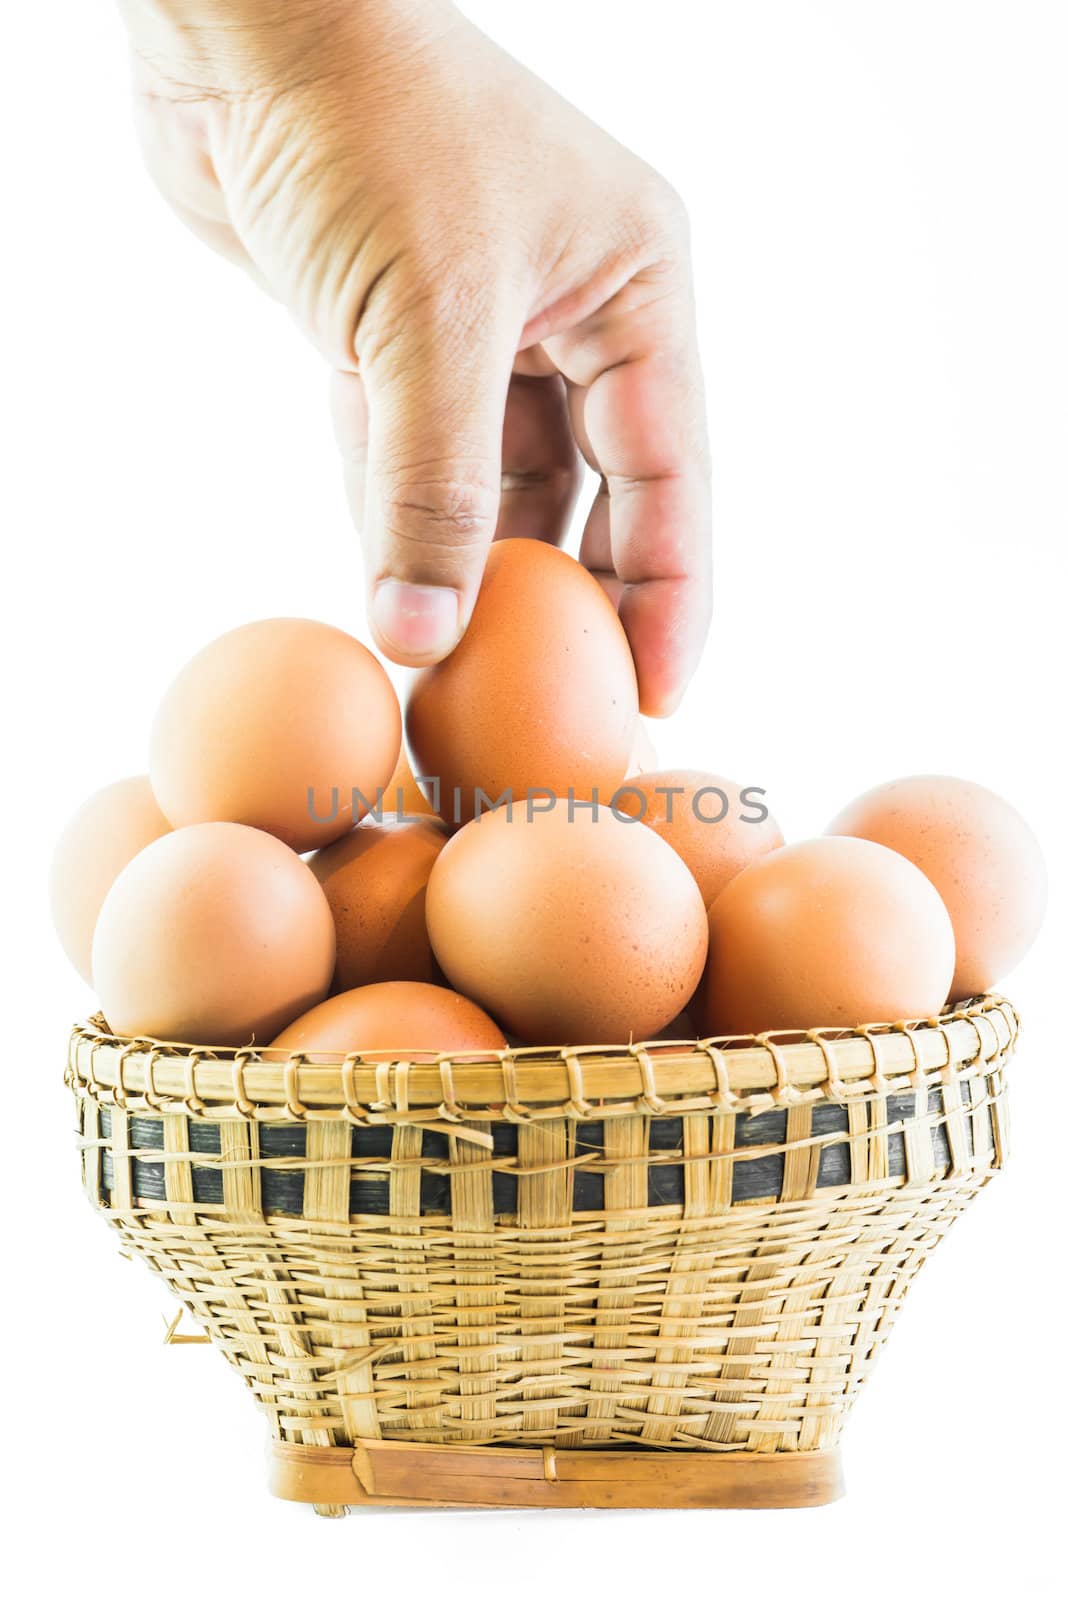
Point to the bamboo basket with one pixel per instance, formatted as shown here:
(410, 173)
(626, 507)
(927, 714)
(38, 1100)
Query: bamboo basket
(646, 1276)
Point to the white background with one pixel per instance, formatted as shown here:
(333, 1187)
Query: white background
(877, 194)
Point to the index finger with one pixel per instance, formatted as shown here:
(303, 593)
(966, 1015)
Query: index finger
(641, 416)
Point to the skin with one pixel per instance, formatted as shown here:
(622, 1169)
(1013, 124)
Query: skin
(496, 284)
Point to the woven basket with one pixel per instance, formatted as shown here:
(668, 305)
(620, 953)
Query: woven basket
(654, 1275)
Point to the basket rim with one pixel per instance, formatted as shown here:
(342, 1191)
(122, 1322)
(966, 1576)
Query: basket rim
(748, 1072)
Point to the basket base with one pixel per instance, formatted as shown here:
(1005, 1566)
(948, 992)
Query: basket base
(383, 1473)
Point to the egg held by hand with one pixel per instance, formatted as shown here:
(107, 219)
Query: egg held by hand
(826, 933)
(216, 934)
(569, 930)
(539, 694)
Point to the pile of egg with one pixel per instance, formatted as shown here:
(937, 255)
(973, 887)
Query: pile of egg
(279, 878)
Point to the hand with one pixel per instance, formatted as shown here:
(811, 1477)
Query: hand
(492, 278)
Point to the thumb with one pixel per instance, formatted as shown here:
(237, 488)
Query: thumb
(436, 394)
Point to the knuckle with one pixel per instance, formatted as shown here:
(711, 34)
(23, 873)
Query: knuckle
(388, 311)
(429, 288)
(674, 206)
(462, 295)
(454, 508)
(664, 215)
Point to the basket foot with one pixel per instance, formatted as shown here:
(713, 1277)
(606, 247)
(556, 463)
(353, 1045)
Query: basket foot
(330, 1511)
(380, 1472)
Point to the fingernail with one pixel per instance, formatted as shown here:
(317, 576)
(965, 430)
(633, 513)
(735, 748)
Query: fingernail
(416, 619)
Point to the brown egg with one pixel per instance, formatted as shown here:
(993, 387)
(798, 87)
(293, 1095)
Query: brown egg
(827, 933)
(283, 725)
(680, 1027)
(398, 1018)
(643, 751)
(980, 855)
(714, 825)
(403, 795)
(104, 834)
(540, 693)
(216, 934)
(375, 881)
(570, 930)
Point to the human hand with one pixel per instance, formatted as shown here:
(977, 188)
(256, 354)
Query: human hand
(492, 278)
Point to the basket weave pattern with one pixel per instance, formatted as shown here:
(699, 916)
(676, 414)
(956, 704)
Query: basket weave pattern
(688, 1247)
